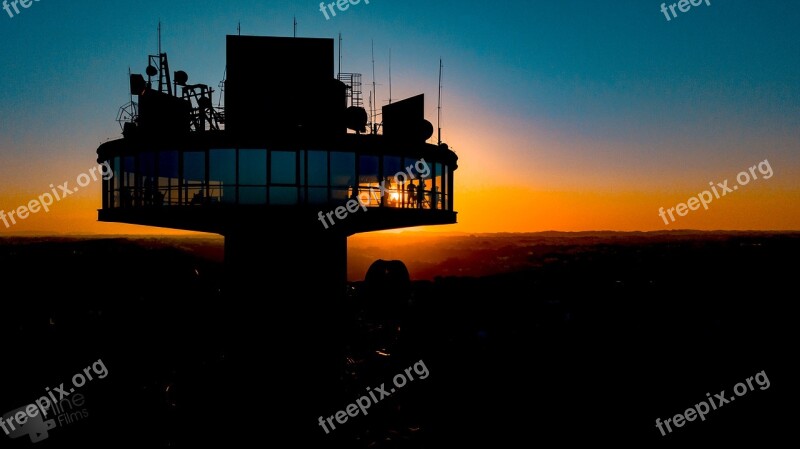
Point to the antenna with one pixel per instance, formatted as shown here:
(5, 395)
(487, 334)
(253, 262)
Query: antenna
(164, 81)
(159, 37)
(222, 86)
(295, 26)
(374, 93)
(390, 76)
(339, 76)
(239, 28)
(439, 108)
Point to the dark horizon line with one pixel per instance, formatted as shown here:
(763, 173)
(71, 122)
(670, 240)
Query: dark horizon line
(33, 234)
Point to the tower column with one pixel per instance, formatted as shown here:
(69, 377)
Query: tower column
(286, 290)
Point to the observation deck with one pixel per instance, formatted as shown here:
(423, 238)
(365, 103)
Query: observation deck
(211, 182)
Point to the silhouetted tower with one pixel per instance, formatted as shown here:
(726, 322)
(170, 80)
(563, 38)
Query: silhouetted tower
(275, 173)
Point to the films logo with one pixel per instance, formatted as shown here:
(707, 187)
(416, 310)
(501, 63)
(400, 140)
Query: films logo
(63, 413)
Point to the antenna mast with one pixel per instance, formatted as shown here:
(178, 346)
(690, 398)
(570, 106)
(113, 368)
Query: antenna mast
(390, 76)
(374, 125)
(129, 77)
(339, 76)
(295, 26)
(158, 65)
(439, 108)
(222, 86)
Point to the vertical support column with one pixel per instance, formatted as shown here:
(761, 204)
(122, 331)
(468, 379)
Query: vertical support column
(284, 297)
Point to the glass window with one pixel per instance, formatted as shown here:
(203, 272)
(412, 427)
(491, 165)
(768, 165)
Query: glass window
(427, 168)
(317, 195)
(148, 184)
(284, 167)
(147, 164)
(343, 176)
(117, 175)
(282, 196)
(108, 184)
(194, 175)
(437, 191)
(117, 182)
(425, 174)
(302, 170)
(168, 176)
(395, 195)
(446, 187)
(343, 169)
(222, 166)
(128, 164)
(253, 167)
(222, 176)
(369, 181)
(391, 166)
(318, 168)
(253, 195)
(168, 164)
(194, 166)
(128, 192)
(424, 193)
(368, 168)
(341, 194)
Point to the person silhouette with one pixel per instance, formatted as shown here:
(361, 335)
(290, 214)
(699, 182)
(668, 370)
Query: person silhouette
(127, 197)
(354, 193)
(420, 193)
(412, 193)
(198, 198)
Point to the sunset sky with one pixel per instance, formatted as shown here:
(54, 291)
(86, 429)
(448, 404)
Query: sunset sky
(566, 115)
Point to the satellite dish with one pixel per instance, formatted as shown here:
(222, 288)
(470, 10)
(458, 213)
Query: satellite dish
(138, 85)
(181, 78)
(151, 71)
(425, 130)
(355, 118)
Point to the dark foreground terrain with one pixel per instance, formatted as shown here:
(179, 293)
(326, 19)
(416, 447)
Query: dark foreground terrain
(573, 341)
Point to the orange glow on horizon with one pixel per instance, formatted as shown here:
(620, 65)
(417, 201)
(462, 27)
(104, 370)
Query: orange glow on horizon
(498, 209)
